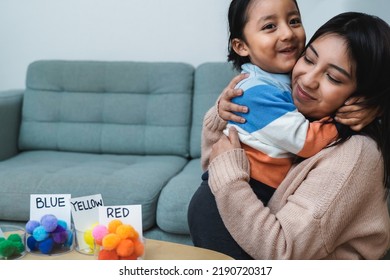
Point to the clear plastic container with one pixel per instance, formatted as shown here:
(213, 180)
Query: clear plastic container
(85, 244)
(52, 243)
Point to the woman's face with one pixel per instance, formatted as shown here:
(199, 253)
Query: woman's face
(323, 78)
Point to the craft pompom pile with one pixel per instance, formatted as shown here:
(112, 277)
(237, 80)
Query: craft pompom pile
(48, 234)
(118, 241)
(11, 247)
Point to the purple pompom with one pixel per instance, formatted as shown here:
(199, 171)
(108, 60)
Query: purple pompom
(63, 224)
(49, 222)
(60, 235)
(31, 225)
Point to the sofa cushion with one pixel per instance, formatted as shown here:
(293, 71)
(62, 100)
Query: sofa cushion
(210, 79)
(121, 179)
(112, 107)
(10, 108)
(175, 198)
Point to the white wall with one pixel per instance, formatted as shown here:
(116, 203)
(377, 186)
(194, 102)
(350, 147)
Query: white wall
(316, 12)
(192, 31)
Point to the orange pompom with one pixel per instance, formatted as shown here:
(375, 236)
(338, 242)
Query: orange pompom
(127, 231)
(112, 226)
(108, 255)
(110, 241)
(139, 248)
(125, 248)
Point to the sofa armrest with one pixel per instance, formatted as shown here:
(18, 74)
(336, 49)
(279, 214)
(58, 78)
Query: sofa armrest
(10, 117)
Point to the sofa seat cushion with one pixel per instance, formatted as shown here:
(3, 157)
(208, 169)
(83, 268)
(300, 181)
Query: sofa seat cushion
(175, 198)
(120, 179)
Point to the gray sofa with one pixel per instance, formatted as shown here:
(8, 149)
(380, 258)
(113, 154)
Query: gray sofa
(127, 130)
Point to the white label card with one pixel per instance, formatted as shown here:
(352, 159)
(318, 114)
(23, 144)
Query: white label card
(55, 204)
(128, 214)
(85, 211)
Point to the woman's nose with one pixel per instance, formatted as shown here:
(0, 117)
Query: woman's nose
(310, 79)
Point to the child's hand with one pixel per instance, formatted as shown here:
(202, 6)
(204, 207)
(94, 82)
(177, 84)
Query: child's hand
(355, 115)
(226, 107)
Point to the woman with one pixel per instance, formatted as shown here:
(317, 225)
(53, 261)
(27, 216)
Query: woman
(330, 206)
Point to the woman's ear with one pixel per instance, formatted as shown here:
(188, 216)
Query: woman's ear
(240, 47)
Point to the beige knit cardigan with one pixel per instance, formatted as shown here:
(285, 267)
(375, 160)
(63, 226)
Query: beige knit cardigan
(330, 206)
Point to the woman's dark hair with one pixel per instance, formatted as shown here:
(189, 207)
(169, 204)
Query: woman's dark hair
(367, 40)
(238, 17)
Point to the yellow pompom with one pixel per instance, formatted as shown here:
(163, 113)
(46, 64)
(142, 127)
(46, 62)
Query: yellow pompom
(88, 238)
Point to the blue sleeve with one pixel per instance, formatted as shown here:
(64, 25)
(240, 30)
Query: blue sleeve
(265, 103)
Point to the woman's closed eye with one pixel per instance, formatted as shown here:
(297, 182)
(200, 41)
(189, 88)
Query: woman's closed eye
(333, 79)
(307, 59)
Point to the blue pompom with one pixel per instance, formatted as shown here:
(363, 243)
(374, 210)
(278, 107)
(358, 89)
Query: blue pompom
(40, 233)
(49, 222)
(46, 246)
(32, 244)
(69, 241)
(63, 224)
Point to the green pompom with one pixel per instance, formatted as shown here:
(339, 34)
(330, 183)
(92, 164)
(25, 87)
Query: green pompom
(14, 237)
(19, 247)
(7, 248)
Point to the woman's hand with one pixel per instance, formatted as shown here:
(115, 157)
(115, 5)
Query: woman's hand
(226, 143)
(355, 115)
(226, 107)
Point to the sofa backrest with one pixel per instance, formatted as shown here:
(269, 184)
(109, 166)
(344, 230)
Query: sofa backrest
(210, 79)
(107, 107)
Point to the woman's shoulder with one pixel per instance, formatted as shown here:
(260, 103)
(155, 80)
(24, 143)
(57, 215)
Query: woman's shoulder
(343, 170)
(349, 171)
(358, 146)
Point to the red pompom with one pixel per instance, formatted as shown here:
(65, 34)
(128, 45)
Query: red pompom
(125, 248)
(108, 255)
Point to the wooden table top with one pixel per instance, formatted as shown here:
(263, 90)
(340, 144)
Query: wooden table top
(155, 250)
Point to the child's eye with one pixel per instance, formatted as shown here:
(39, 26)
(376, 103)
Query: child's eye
(269, 26)
(296, 21)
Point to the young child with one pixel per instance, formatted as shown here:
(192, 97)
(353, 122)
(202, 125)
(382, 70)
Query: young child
(266, 40)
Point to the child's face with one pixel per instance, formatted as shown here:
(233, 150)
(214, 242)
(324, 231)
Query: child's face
(323, 78)
(274, 35)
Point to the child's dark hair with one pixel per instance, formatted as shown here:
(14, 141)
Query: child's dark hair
(238, 17)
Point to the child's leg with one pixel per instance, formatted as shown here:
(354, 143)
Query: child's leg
(262, 191)
(206, 226)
